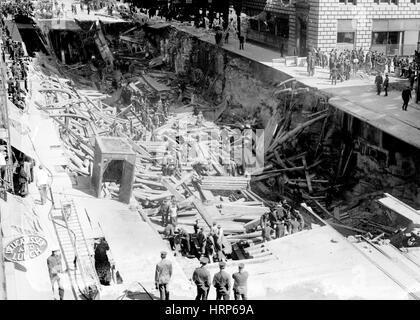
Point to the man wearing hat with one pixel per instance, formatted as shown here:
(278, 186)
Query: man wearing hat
(240, 283)
(386, 84)
(201, 278)
(163, 275)
(55, 268)
(221, 282)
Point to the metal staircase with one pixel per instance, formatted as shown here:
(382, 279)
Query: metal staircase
(76, 253)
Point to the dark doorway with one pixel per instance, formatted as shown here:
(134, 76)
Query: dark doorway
(114, 171)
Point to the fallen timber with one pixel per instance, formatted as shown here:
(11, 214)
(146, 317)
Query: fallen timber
(239, 216)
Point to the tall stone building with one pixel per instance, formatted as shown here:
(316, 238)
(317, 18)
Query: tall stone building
(389, 26)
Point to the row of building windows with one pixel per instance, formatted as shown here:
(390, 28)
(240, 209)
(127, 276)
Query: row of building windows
(388, 42)
(354, 2)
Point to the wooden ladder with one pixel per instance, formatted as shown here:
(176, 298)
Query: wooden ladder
(76, 251)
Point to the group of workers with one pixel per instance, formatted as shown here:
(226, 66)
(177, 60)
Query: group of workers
(202, 279)
(199, 244)
(282, 220)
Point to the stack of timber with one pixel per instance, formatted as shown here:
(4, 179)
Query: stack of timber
(225, 183)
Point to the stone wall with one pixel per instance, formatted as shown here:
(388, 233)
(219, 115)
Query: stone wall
(323, 15)
(362, 15)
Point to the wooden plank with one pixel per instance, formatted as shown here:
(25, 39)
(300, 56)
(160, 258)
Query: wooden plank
(252, 224)
(150, 183)
(279, 160)
(308, 178)
(203, 212)
(172, 189)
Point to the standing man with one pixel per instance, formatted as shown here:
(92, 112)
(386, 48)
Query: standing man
(378, 81)
(173, 211)
(240, 286)
(42, 183)
(163, 275)
(55, 269)
(201, 238)
(241, 41)
(412, 79)
(406, 96)
(164, 212)
(201, 278)
(221, 282)
(386, 84)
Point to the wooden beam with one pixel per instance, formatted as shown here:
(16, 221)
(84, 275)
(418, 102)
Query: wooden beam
(172, 189)
(203, 212)
(308, 178)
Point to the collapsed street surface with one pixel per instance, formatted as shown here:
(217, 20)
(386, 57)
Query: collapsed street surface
(180, 152)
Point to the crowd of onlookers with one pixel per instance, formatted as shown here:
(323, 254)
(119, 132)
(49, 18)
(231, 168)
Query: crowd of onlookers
(16, 68)
(13, 55)
(14, 8)
(345, 64)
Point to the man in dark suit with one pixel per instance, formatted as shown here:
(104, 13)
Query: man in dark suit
(386, 84)
(240, 283)
(221, 282)
(201, 278)
(378, 81)
(406, 96)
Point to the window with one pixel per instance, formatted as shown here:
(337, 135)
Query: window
(415, 1)
(347, 1)
(388, 42)
(345, 37)
(388, 1)
(386, 37)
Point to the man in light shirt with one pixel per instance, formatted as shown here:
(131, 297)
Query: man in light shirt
(42, 183)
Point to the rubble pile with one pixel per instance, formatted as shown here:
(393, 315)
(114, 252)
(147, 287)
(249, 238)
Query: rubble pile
(218, 195)
(157, 97)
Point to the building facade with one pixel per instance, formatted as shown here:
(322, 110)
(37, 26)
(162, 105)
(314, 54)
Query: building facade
(389, 26)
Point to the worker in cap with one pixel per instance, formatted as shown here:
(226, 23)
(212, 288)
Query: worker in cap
(163, 275)
(240, 283)
(202, 278)
(221, 281)
(55, 270)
